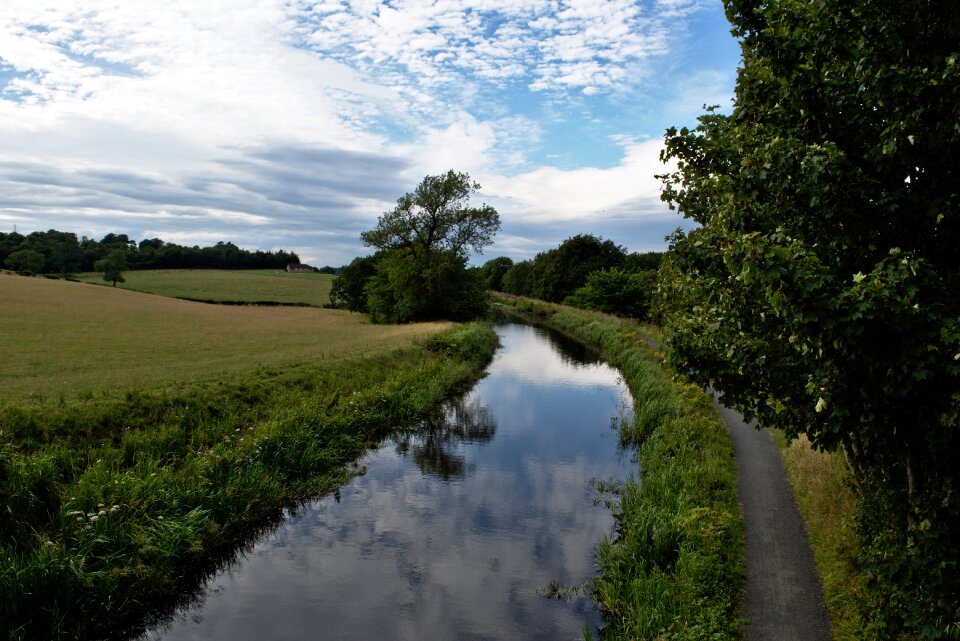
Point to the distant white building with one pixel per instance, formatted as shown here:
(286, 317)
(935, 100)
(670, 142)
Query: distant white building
(297, 267)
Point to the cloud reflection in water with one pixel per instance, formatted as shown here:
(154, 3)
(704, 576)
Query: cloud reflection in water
(454, 528)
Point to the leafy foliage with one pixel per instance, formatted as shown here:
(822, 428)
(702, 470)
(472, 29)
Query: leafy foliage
(820, 291)
(558, 272)
(349, 288)
(493, 272)
(435, 218)
(420, 272)
(517, 280)
(615, 291)
(112, 265)
(26, 261)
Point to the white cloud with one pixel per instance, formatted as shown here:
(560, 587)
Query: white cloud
(262, 121)
(551, 194)
(585, 45)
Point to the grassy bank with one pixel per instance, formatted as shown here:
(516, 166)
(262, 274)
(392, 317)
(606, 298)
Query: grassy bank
(673, 570)
(228, 286)
(120, 505)
(828, 504)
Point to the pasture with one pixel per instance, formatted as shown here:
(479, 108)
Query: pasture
(227, 286)
(64, 341)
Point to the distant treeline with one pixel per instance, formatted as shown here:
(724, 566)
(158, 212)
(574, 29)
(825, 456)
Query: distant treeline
(57, 252)
(584, 271)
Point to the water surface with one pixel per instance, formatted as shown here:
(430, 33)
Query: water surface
(454, 530)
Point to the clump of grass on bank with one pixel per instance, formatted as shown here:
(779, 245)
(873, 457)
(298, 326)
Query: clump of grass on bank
(828, 504)
(261, 286)
(673, 569)
(119, 506)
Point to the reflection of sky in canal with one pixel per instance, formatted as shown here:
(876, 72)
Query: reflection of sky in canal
(452, 530)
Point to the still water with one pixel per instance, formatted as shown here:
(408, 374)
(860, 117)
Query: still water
(454, 530)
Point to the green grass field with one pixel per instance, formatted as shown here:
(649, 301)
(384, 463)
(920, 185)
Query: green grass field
(227, 286)
(63, 341)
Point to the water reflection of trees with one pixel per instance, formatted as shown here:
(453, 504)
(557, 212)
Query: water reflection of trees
(434, 444)
(571, 351)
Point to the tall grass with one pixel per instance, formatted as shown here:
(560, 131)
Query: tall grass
(673, 569)
(107, 527)
(828, 504)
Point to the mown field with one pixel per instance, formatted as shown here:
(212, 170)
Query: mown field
(144, 440)
(63, 342)
(227, 286)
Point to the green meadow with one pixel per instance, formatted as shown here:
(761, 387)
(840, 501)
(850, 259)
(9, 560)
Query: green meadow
(144, 439)
(62, 342)
(227, 286)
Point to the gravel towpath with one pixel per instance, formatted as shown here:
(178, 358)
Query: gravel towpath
(784, 600)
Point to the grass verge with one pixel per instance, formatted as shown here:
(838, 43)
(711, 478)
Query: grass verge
(673, 570)
(828, 504)
(117, 510)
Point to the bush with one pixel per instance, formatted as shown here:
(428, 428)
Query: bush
(614, 291)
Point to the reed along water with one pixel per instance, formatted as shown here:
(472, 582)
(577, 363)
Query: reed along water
(457, 530)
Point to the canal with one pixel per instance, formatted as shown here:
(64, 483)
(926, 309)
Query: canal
(456, 530)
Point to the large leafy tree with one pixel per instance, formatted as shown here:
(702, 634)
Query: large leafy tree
(423, 246)
(821, 289)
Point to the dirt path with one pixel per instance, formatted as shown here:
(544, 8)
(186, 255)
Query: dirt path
(784, 600)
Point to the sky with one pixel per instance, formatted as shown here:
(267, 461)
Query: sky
(284, 124)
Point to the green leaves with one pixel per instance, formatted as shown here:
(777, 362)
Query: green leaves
(820, 289)
(420, 271)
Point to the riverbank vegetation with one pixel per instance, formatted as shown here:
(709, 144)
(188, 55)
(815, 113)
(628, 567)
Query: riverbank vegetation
(673, 570)
(233, 286)
(126, 497)
(584, 271)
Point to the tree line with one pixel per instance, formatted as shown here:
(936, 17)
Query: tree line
(584, 271)
(57, 252)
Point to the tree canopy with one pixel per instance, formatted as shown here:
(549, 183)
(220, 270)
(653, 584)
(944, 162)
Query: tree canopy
(113, 265)
(420, 269)
(436, 218)
(821, 290)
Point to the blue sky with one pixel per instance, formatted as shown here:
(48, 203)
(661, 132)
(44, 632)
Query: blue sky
(292, 124)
